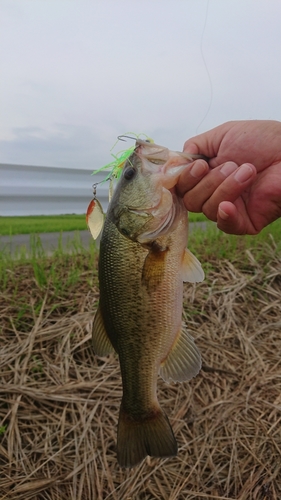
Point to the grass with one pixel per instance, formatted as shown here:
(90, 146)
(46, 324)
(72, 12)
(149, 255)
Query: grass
(212, 243)
(206, 244)
(52, 223)
(41, 224)
(59, 403)
(46, 271)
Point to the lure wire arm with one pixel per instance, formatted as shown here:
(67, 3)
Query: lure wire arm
(119, 137)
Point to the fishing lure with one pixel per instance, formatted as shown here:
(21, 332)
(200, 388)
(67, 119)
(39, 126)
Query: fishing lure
(95, 215)
(121, 157)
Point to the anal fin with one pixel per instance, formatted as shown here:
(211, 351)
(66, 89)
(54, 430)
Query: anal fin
(101, 342)
(183, 360)
(191, 268)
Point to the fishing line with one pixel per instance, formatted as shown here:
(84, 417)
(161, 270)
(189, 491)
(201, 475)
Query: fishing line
(206, 67)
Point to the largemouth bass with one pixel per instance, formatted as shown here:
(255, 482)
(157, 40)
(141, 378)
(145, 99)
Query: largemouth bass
(143, 262)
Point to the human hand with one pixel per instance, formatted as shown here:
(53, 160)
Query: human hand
(240, 186)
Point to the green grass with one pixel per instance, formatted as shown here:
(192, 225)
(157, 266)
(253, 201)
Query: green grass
(197, 217)
(204, 243)
(212, 243)
(41, 224)
(63, 269)
(53, 223)
(29, 277)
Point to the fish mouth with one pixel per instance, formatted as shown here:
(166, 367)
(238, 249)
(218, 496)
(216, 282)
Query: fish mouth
(145, 212)
(163, 221)
(140, 212)
(159, 154)
(168, 195)
(164, 226)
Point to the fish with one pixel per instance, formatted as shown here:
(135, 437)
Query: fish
(143, 262)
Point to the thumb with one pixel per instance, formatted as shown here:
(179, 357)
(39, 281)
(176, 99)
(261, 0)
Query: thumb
(191, 147)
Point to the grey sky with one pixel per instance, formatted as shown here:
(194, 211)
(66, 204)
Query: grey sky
(75, 74)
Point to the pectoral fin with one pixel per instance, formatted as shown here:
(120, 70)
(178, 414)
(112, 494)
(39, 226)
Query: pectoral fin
(101, 342)
(153, 269)
(191, 269)
(183, 361)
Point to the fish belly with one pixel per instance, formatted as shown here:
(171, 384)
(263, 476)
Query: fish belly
(141, 323)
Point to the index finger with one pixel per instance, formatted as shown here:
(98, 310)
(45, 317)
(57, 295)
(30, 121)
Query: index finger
(208, 143)
(191, 175)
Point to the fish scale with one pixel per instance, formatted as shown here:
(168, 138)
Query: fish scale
(141, 292)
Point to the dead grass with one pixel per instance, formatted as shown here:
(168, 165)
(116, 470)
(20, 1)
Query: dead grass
(60, 403)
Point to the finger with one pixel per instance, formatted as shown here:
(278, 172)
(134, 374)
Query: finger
(230, 189)
(234, 219)
(191, 147)
(193, 173)
(208, 143)
(195, 199)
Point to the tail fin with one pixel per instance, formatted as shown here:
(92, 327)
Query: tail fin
(138, 438)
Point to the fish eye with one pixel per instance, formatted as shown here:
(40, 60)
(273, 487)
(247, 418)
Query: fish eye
(129, 173)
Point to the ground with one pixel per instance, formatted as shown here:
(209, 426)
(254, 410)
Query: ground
(59, 403)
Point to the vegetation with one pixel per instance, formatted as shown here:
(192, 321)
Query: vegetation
(59, 402)
(41, 224)
(52, 223)
(211, 242)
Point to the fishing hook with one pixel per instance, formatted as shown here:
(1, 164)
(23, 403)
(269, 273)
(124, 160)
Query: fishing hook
(119, 137)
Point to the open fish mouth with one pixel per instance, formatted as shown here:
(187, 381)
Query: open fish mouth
(145, 212)
(162, 228)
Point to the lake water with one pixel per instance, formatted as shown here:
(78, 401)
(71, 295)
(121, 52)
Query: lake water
(34, 190)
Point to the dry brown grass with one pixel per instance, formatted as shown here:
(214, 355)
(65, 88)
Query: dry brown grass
(60, 403)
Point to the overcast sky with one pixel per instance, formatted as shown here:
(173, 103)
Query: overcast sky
(77, 73)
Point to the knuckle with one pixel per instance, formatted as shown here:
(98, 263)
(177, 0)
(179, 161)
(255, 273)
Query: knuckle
(210, 212)
(191, 203)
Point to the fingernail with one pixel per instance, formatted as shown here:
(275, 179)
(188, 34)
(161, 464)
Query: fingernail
(228, 168)
(243, 173)
(198, 169)
(222, 214)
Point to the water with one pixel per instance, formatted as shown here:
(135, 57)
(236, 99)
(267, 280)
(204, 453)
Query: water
(34, 190)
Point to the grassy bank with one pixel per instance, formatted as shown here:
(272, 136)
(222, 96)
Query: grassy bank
(60, 403)
(214, 243)
(204, 243)
(41, 224)
(73, 266)
(52, 223)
